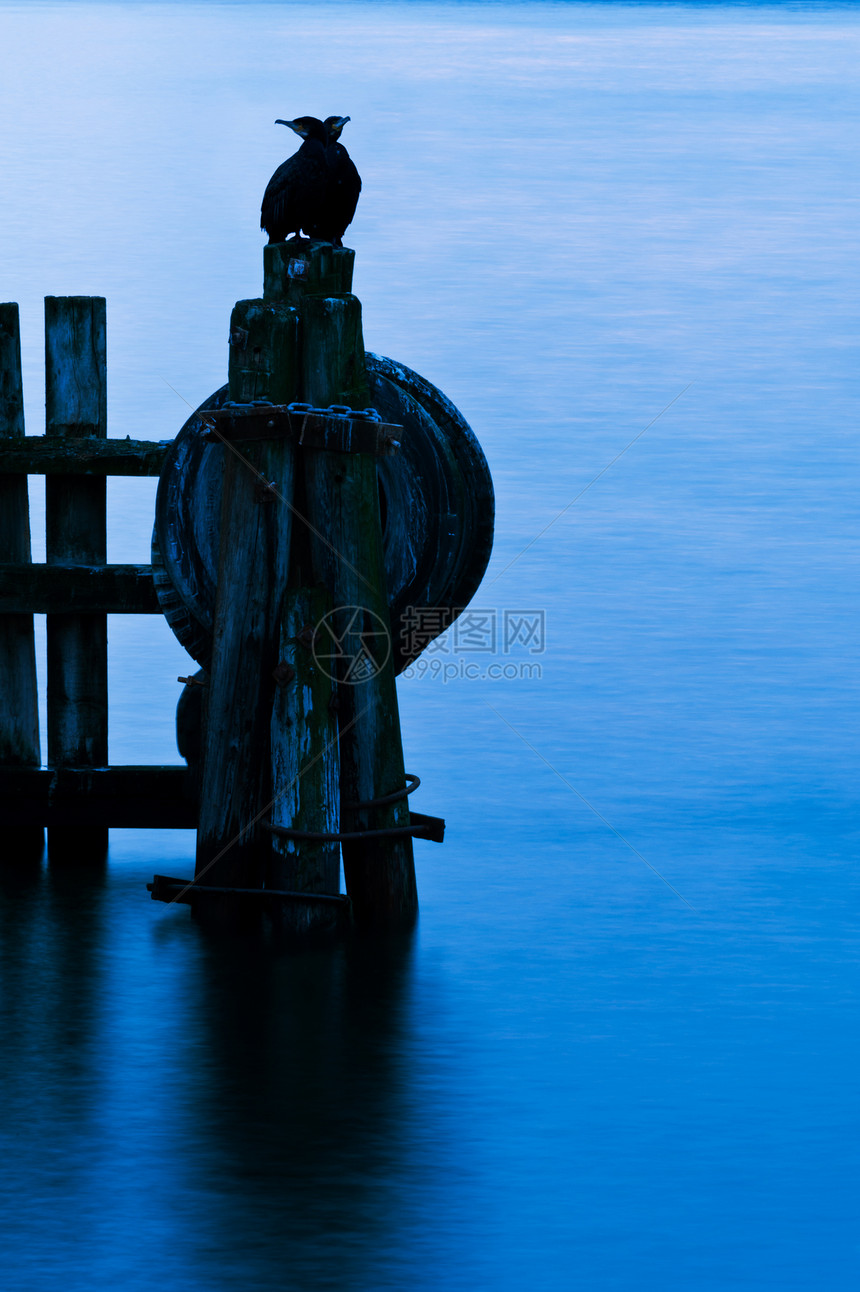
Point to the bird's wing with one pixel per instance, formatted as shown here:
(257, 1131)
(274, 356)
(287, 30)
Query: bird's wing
(276, 199)
(294, 190)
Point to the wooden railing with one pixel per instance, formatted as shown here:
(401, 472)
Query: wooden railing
(78, 796)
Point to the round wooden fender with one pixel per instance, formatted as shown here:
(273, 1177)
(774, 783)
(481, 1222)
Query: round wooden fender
(436, 501)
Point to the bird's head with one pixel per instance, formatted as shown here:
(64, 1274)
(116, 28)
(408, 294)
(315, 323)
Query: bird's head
(306, 127)
(334, 125)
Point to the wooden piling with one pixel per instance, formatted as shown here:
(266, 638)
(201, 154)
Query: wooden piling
(256, 522)
(252, 574)
(343, 506)
(19, 711)
(333, 363)
(305, 765)
(297, 269)
(76, 406)
(294, 746)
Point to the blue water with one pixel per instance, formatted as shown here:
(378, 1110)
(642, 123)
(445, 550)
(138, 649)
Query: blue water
(621, 1050)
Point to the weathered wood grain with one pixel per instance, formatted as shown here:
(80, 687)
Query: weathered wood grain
(252, 574)
(77, 589)
(298, 268)
(270, 753)
(347, 558)
(263, 352)
(76, 406)
(305, 764)
(342, 505)
(253, 564)
(19, 716)
(333, 352)
(43, 455)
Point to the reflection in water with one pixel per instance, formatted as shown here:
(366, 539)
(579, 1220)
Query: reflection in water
(51, 970)
(51, 951)
(301, 1117)
(261, 1121)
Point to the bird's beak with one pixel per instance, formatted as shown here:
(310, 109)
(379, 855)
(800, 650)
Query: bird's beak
(300, 130)
(339, 125)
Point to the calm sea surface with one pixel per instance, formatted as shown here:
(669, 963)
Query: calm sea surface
(621, 1050)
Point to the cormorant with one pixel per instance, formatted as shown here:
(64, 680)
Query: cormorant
(296, 195)
(344, 186)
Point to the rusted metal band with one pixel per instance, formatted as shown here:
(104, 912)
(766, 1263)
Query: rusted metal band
(414, 782)
(338, 428)
(422, 827)
(163, 886)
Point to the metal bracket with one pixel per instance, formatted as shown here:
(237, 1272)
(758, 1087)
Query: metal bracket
(420, 827)
(164, 888)
(337, 428)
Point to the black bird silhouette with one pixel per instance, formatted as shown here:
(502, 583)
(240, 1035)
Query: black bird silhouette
(344, 186)
(296, 195)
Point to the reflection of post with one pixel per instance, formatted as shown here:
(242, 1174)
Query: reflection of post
(19, 715)
(306, 1102)
(76, 405)
(55, 953)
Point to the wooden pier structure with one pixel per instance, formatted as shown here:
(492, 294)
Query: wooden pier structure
(78, 797)
(289, 535)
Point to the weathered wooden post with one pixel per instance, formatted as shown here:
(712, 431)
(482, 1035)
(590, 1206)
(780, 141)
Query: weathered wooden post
(76, 406)
(19, 710)
(256, 521)
(345, 546)
(297, 746)
(305, 760)
(343, 506)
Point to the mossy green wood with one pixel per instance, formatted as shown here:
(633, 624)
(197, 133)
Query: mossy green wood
(19, 710)
(75, 406)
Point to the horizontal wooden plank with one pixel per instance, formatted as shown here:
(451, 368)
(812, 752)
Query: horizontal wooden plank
(51, 455)
(77, 589)
(122, 797)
